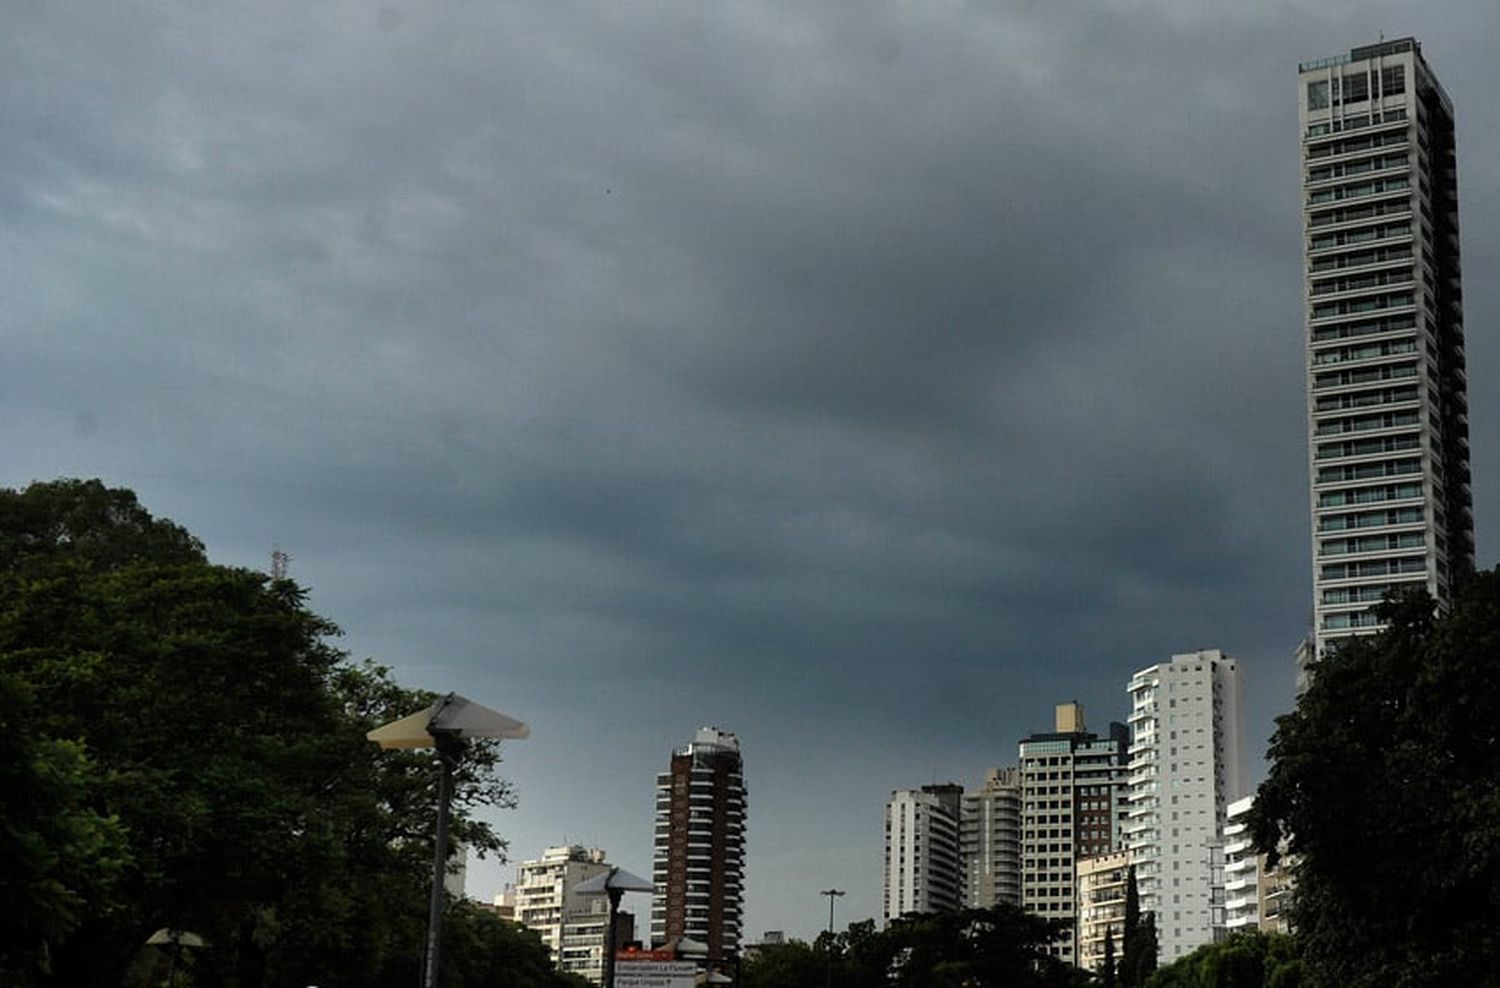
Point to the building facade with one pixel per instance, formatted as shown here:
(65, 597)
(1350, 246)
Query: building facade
(1072, 806)
(699, 863)
(1241, 871)
(1102, 881)
(1388, 413)
(1186, 767)
(990, 840)
(545, 900)
(923, 870)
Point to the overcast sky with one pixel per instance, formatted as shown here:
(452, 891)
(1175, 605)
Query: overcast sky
(862, 378)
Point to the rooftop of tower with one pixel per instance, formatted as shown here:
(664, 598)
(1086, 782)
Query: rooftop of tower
(1364, 52)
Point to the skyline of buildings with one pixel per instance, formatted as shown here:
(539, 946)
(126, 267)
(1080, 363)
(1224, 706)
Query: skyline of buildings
(1391, 507)
(1387, 393)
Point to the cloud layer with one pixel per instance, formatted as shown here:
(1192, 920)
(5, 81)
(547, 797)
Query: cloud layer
(862, 378)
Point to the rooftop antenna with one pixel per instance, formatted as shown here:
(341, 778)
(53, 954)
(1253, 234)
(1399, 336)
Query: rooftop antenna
(279, 561)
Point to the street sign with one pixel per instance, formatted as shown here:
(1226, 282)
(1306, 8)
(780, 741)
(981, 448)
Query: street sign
(633, 973)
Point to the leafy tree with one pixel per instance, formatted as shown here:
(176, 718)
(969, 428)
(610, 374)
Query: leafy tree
(1139, 948)
(1244, 960)
(794, 964)
(1385, 786)
(58, 856)
(197, 748)
(999, 947)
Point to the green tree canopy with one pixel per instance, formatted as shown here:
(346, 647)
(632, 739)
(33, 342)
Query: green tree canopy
(194, 756)
(1385, 788)
(1244, 960)
(998, 947)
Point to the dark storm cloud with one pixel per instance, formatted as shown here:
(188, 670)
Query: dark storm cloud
(865, 377)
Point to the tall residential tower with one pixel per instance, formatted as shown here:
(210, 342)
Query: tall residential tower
(923, 871)
(1186, 766)
(1388, 414)
(989, 834)
(1072, 804)
(699, 865)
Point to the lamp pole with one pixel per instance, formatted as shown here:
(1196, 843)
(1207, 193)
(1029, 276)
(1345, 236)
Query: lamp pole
(445, 726)
(610, 946)
(449, 751)
(832, 895)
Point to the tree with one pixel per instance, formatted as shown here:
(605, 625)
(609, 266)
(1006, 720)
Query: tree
(58, 856)
(203, 750)
(998, 947)
(1385, 787)
(1245, 960)
(793, 964)
(1107, 974)
(978, 948)
(1139, 948)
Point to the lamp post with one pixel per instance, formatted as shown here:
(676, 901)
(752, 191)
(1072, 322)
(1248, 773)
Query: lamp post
(613, 883)
(445, 726)
(832, 895)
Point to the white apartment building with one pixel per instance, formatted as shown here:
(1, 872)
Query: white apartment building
(923, 873)
(990, 840)
(1388, 413)
(1072, 803)
(1102, 882)
(1241, 871)
(545, 900)
(1186, 766)
(585, 939)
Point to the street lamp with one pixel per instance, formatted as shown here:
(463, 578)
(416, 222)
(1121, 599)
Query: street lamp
(613, 883)
(832, 895)
(445, 726)
(176, 939)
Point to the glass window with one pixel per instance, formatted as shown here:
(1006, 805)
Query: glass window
(1317, 95)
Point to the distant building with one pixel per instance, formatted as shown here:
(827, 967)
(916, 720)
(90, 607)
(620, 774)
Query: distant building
(1186, 757)
(1102, 882)
(1255, 893)
(923, 873)
(699, 864)
(1388, 408)
(1241, 871)
(1072, 802)
(546, 899)
(585, 938)
(503, 904)
(990, 840)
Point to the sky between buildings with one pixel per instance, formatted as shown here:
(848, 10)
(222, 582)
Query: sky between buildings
(861, 378)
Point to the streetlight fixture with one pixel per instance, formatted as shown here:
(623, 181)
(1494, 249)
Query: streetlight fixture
(613, 883)
(176, 939)
(832, 895)
(445, 726)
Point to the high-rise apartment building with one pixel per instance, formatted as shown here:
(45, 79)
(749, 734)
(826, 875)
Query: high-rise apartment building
(1241, 870)
(699, 864)
(923, 870)
(1186, 766)
(990, 840)
(1072, 804)
(546, 900)
(1102, 884)
(1388, 413)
